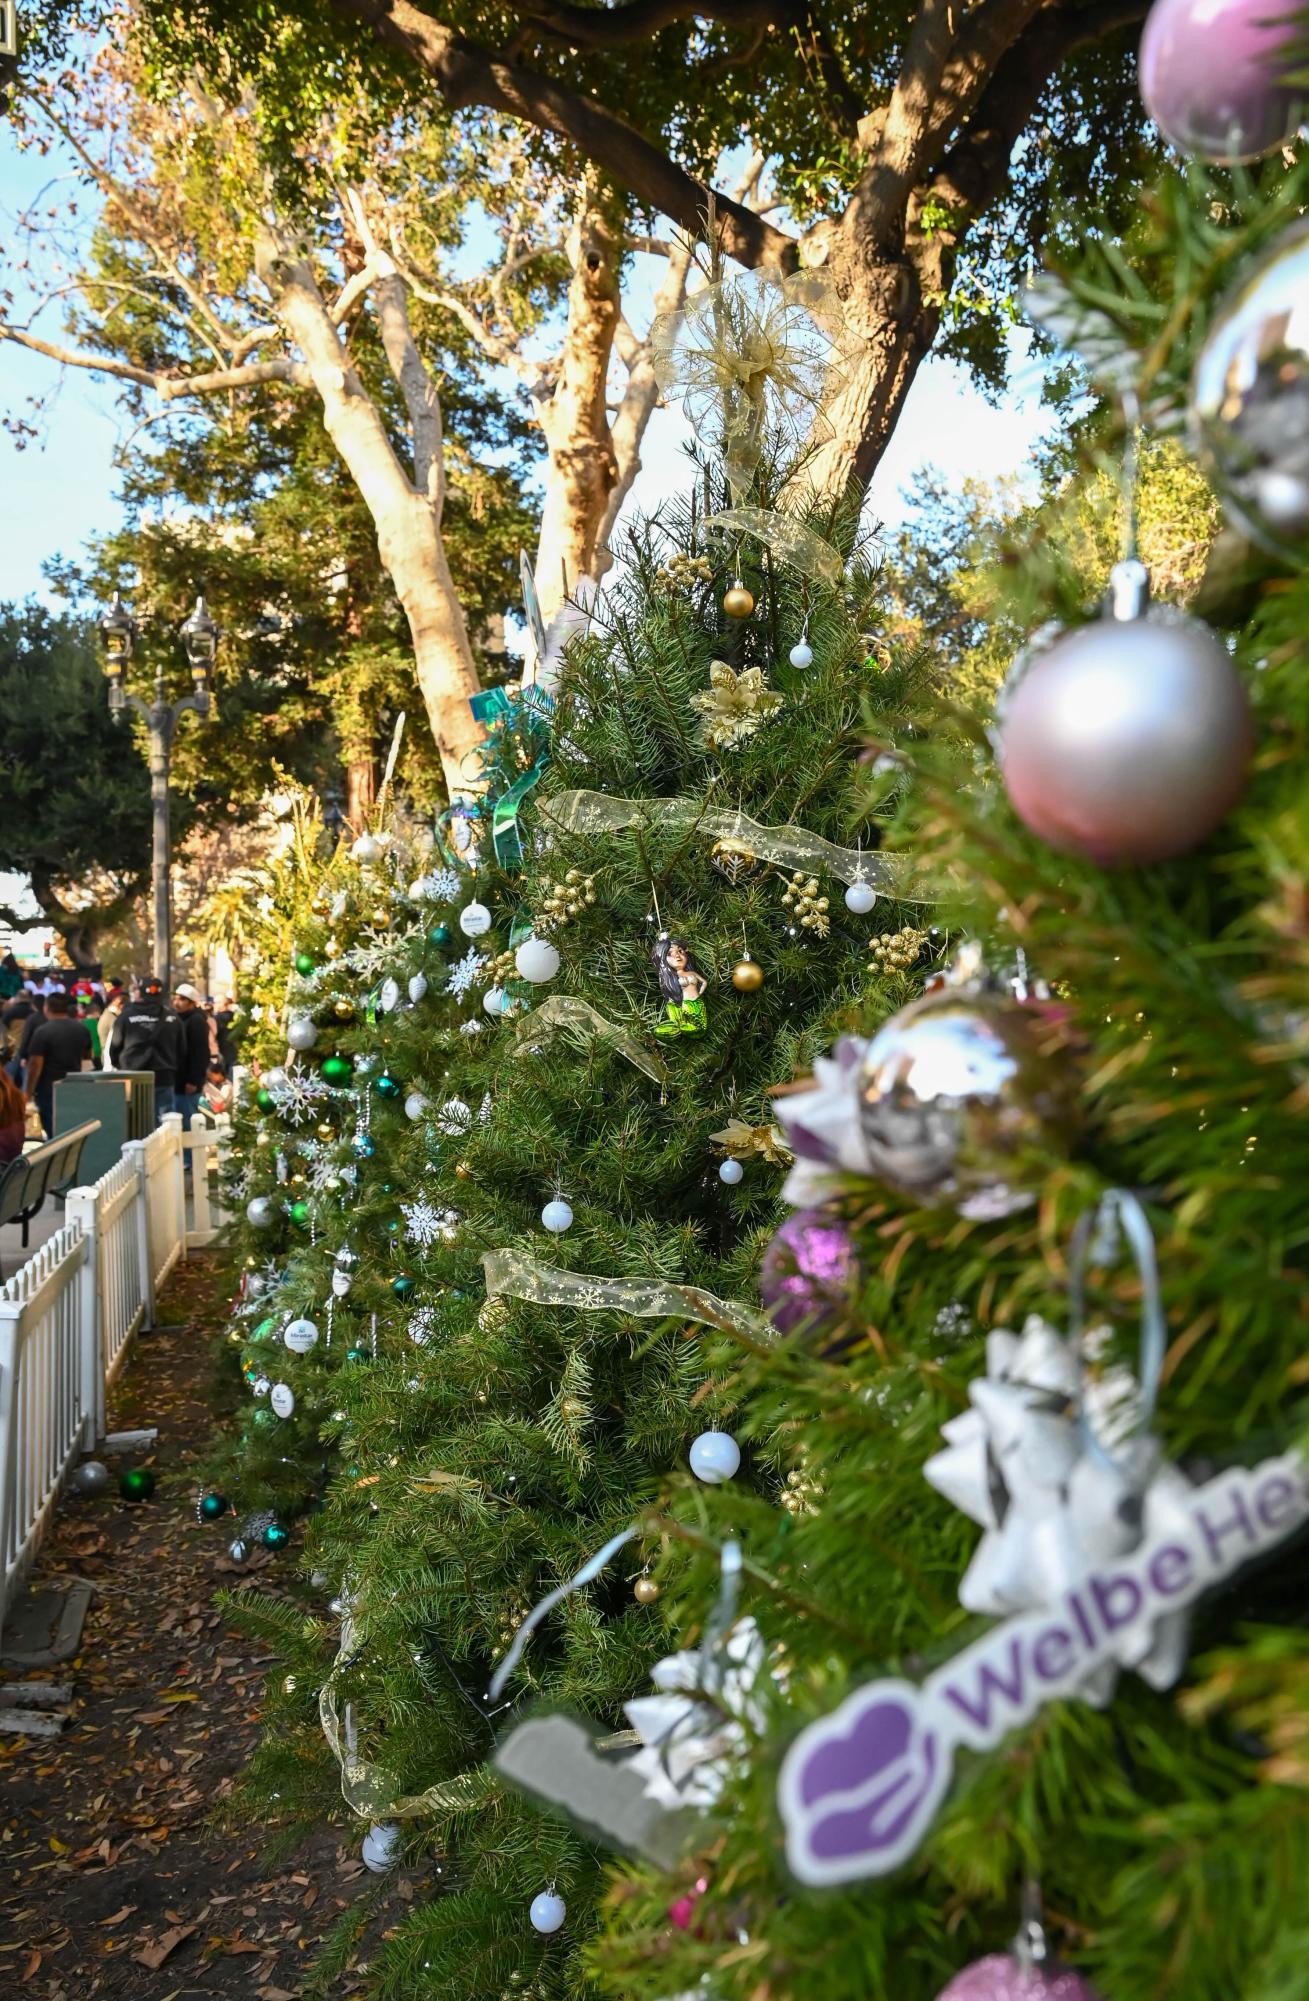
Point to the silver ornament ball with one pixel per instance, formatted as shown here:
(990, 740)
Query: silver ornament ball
(802, 654)
(238, 1549)
(301, 1032)
(380, 1846)
(965, 1099)
(1126, 740)
(367, 849)
(90, 1478)
(1250, 398)
(259, 1212)
(415, 1106)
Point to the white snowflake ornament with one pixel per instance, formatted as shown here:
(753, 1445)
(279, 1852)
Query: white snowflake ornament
(465, 974)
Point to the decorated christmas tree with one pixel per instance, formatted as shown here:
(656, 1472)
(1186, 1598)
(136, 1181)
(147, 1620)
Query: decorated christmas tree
(672, 897)
(1022, 1708)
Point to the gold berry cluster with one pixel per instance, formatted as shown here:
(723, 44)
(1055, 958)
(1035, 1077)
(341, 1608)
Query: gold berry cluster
(801, 1494)
(565, 899)
(897, 951)
(683, 572)
(500, 969)
(801, 897)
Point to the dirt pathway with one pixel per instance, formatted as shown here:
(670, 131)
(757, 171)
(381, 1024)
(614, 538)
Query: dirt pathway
(112, 1882)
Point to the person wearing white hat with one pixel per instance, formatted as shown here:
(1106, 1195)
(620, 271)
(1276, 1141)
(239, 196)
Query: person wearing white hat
(194, 1072)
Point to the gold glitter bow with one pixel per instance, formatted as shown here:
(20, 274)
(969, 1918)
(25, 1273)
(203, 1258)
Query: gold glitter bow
(758, 353)
(734, 704)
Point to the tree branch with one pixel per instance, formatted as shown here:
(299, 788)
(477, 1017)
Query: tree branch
(466, 74)
(612, 27)
(169, 387)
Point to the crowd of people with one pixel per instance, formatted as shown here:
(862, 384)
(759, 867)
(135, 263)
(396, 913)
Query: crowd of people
(50, 1029)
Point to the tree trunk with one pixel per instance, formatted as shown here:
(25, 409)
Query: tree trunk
(360, 790)
(582, 468)
(407, 524)
(887, 307)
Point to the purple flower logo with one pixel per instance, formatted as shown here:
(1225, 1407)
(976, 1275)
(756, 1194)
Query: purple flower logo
(859, 1788)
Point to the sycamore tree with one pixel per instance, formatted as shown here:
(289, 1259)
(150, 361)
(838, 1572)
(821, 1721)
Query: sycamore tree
(921, 150)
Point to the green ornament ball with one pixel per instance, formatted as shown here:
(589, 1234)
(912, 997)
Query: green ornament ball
(264, 1099)
(213, 1507)
(388, 1086)
(275, 1536)
(265, 1419)
(299, 1212)
(337, 1070)
(402, 1285)
(357, 1355)
(263, 1331)
(305, 963)
(136, 1483)
(440, 934)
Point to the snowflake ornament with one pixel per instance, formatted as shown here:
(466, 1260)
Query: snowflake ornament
(298, 1094)
(464, 976)
(422, 1326)
(426, 1225)
(440, 886)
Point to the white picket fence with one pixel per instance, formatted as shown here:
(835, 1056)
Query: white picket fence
(67, 1316)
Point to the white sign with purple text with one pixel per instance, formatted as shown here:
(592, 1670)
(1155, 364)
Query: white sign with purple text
(860, 1788)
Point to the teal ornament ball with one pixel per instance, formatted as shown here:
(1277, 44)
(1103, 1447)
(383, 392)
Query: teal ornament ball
(213, 1507)
(275, 1536)
(440, 934)
(363, 1146)
(264, 1099)
(136, 1483)
(388, 1086)
(402, 1285)
(357, 1355)
(305, 964)
(336, 1070)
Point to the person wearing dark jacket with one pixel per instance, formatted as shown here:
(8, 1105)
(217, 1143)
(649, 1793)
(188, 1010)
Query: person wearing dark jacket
(149, 1037)
(194, 1072)
(18, 1068)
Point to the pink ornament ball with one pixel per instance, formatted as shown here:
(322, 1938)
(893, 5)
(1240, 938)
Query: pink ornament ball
(1211, 75)
(809, 1271)
(681, 1912)
(1001, 1977)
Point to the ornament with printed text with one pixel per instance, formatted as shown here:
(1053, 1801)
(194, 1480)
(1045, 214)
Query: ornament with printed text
(474, 920)
(1126, 740)
(300, 1336)
(715, 1457)
(301, 1031)
(537, 960)
(1250, 398)
(1214, 76)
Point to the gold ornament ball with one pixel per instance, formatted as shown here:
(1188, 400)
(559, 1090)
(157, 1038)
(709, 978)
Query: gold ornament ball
(645, 1591)
(462, 1169)
(381, 915)
(738, 602)
(747, 976)
(326, 1130)
(343, 1009)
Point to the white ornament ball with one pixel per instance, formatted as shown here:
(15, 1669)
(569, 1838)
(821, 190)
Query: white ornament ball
(860, 897)
(537, 960)
(300, 1336)
(715, 1457)
(415, 1106)
(494, 1000)
(273, 1080)
(259, 1212)
(417, 987)
(282, 1399)
(802, 654)
(731, 1171)
(474, 920)
(380, 1845)
(557, 1216)
(367, 849)
(302, 1031)
(548, 1912)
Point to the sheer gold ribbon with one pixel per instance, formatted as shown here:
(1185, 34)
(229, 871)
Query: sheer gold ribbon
(788, 539)
(517, 1276)
(597, 812)
(563, 1014)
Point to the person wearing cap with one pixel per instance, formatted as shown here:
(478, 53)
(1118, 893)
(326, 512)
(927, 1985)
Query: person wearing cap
(148, 1036)
(193, 1072)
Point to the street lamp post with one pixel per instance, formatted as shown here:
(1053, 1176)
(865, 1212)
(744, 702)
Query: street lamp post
(200, 638)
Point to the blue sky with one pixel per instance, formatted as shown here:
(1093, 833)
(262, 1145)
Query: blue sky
(62, 489)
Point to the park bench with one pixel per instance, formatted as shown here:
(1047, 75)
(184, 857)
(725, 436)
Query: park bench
(49, 1169)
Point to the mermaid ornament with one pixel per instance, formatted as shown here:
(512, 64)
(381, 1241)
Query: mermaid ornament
(682, 984)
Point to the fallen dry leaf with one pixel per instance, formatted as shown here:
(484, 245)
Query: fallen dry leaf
(158, 1950)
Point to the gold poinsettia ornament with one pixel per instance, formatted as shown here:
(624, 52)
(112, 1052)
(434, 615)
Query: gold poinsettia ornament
(734, 704)
(742, 1140)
